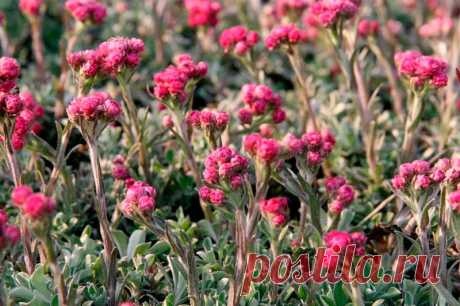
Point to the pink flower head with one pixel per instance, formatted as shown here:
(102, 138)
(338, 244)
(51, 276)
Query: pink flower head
(290, 7)
(336, 207)
(260, 101)
(368, 27)
(96, 106)
(9, 73)
(2, 19)
(337, 240)
(119, 169)
(333, 183)
(38, 206)
(139, 197)
(87, 10)
(12, 234)
(167, 122)
(398, 182)
(454, 201)
(422, 181)
(279, 220)
(11, 105)
(328, 12)
(30, 7)
(3, 217)
(238, 39)
(285, 35)
(212, 121)
(293, 144)
(225, 166)
(216, 197)
(422, 70)
(20, 195)
(171, 83)
(202, 12)
(345, 194)
(437, 27)
(421, 166)
(87, 63)
(120, 53)
(275, 210)
(268, 150)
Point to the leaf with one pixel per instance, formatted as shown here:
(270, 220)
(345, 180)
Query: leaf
(121, 240)
(161, 247)
(137, 237)
(445, 293)
(40, 146)
(22, 294)
(39, 282)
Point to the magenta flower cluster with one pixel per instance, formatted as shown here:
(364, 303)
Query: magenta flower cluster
(285, 36)
(119, 169)
(437, 27)
(314, 146)
(30, 7)
(110, 58)
(139, 198)
(208, 120)
(91, 11)
(421, 70)
(34, 206)
(238, 39)
(94, 107)
(172, 82)
(9, 234)
(339, 192)
(337, 242)
(27, 120)
(202, 12)
(275, 210)
(328, 12)
(266, 150)
(9, 73)
(288, 7)
(224, 169)
(260, 101)
(368, 27)
(11, 105)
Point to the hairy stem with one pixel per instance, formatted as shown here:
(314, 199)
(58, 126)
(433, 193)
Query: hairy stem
(57, 274)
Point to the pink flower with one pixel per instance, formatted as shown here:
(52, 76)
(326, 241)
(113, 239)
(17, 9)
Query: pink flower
(119, 170)
(87, 63)
(204, 192)
(245, 116)
(167, 122)
(120, 53)
(222, 165)
(294, 145)
(398, 182)
(454, 201)
(9, 73)
(250, 143)
(216, 197)
(422, 70)
(20, 195)
(3, 217)
(345, 194)
(285, 35)
(368, 27)
(38, 206)
(406, 170)
(328, 12)
(274, 205)
(171, 83)
(87, 10)
(421, 166)
(30, 7)
(336, 207)
(96, 106)
(267, 150)
(202, 12)
(11, 233)
(422, 182)
(437, 27)
(337, 240)
(238, 39)
(279, 219)
(139, 196)
(260, 101)
(290, 7)
(333, 183)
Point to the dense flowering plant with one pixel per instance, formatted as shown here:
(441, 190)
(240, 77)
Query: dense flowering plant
(219, 152)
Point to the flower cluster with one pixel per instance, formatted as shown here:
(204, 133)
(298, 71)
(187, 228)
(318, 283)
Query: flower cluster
(337, 242)
(422, 70)
(437, 27)
(30, 7)
(35, 206)
(266, 150)
(109, 59)
(119, 169)
(202, 12)
(11, 105)
(215, 121)
(275, 210)
(224, 169)
(328, 12)
(260, 101)
(91, 11)
(285, 35)
(238, 39)
(9, 73)
(368, 27)
(419, 174)
(9, 234)
(94, 107)
(27, 120)
(172, 82)
(290, 7)
(139, 198)
(314, 147)
(340, 193)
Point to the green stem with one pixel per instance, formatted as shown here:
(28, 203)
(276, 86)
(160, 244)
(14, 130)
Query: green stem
(57, 274)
